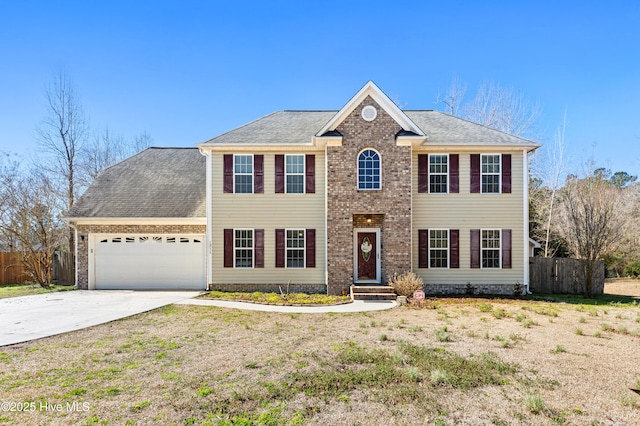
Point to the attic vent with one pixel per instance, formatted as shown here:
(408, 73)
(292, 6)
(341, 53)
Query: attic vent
(369, 113)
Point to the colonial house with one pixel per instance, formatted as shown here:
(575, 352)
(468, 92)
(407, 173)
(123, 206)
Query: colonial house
(318, 199)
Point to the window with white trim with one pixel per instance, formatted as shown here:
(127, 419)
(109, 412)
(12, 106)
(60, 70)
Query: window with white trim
(295, 248)
(490, 248)
(438, 248)
(490, 173)
(243, 248)
(369, 170)
(438, 173)
(294, 174)
(243, 174)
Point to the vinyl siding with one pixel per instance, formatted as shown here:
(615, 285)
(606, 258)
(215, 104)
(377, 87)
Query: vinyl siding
(268, 211)
(466, 211)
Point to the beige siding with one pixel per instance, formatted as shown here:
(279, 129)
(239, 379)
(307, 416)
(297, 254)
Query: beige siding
(267, 211)
(466, 211)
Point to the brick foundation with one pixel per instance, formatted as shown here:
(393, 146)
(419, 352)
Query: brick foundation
(293, 288)
(474, 289)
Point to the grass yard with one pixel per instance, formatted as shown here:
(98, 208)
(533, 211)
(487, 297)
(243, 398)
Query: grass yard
(28, 289)
(453, 361)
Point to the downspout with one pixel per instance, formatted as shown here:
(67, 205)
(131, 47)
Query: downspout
(525, 216)
(209, 213)
(75, 254)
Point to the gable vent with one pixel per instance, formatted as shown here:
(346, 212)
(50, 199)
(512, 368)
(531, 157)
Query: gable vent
(369, 113)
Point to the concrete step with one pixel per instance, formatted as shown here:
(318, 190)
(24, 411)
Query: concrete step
(372, 292)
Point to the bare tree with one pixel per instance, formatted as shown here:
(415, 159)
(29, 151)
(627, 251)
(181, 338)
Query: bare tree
(593, 219)
(454, 97)
(554, 170)
(495, 106)
(63, 132)
(30, 217)
(102, 151)
(141, 142)
(107, 148)
(503, 108)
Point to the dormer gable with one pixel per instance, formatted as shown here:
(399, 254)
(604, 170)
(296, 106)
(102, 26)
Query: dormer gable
(370, 89)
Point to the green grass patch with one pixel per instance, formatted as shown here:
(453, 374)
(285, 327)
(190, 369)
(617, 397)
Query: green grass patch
(291, 299)
(599, 300)
(29, 289)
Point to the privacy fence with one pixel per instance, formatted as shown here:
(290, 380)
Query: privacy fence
(562, 275)
(12, 271)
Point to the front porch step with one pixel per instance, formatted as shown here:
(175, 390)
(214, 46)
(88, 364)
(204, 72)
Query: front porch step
(372, 292)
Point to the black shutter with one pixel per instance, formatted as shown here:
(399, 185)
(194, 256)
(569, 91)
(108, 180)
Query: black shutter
(258, 174)
(280, 250)
(506, 249)
(279, 174)
(506, 173)
(228, 173)
(454, 173)
(228, 248)
(258, 248)
(310, 173)
(311, 248)
(423, 173)
(475, 173)
(454, 244)
(423, 248)
(475, 248)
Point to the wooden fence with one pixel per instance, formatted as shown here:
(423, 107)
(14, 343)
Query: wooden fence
(563, 275)
(12, 271)
(64, 268)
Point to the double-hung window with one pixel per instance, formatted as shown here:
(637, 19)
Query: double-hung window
(438, 173)
(243, 174)
(490, 248)
(295, 174)
(369, 170)
(438, 248)
(490, 173)
(243, 248)
(295, 248)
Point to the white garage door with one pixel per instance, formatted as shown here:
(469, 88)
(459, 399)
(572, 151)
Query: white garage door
(149, 262)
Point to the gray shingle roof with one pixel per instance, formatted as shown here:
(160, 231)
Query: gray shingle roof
(445, 129)
(278, 128)
(157, 182)
(298, 127)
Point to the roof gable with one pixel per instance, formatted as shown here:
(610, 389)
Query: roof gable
(370, 89)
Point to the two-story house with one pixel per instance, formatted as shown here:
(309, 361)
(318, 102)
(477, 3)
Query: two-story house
(318, 199)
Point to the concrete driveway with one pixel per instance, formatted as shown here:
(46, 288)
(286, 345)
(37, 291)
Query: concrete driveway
(33, 317)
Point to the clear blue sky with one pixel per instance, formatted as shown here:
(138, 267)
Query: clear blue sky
(185, 71)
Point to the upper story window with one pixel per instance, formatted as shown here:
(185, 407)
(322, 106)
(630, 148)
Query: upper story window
(490, 173)
(369, 170)
(438, 173)
(243, 174)
(295, 174)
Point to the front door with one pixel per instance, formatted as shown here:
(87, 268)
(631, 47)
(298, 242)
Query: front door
(367, 247)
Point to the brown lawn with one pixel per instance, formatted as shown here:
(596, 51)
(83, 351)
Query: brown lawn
(456, 361)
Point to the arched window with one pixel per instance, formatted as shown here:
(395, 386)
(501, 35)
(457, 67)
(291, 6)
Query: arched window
(369, 169)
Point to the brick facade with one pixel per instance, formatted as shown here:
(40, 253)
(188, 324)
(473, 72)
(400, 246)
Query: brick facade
(85, 230)
(349, 208)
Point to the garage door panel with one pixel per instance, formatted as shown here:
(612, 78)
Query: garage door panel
(150, 262)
